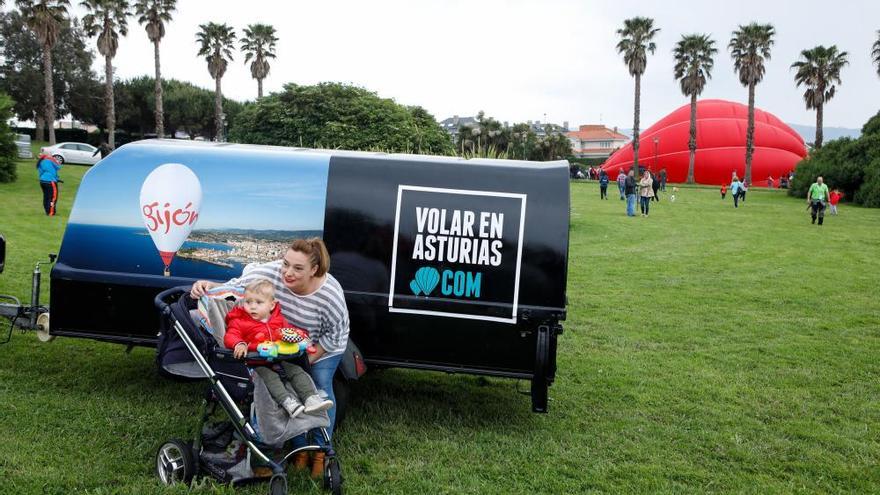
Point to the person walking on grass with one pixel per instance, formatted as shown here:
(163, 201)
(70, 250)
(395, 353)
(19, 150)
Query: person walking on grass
(655, 186)
(742, 191)
(646, 192)
(621, 180)
(735, 186)
(816, 199)
(723, 191)
(603, 185)
(663, 180)
(47, 170)
(629, 188)
(833, 199)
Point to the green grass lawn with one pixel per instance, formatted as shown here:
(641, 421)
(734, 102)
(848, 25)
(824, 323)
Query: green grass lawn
(708, 349)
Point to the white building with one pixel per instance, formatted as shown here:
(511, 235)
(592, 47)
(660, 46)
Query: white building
(595, 141)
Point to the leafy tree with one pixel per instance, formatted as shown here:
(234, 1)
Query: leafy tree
(73, 79)
(872, 126)
(429, 135)
(851, 165)
(749, 47)
(485, 139)
(45, 18)
(107, 20)
(135, 104)
(8, 150)
(334, 115)
(693, 66)
(635, 43)
(258, 44)
(153, 14)
(84, 99)
(216, 44)
(189, 108)
(490, 139)
(876, 53)
(818, 71)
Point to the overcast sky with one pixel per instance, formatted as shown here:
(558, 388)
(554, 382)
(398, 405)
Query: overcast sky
(548, 60)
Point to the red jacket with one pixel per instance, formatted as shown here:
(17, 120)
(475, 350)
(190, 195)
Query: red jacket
(240, 327)
(834, 197)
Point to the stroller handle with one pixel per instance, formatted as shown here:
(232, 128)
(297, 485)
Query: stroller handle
(164, 298)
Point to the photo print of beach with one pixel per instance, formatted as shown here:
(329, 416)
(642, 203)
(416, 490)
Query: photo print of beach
(194, 215)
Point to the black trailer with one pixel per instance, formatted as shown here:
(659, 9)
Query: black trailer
(447, 264)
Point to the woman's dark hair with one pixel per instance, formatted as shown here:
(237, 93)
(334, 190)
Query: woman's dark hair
(315, 249)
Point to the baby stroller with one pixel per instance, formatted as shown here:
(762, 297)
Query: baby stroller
(191, 346)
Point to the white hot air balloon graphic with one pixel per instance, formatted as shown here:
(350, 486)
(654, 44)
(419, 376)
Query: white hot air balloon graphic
(170, 200)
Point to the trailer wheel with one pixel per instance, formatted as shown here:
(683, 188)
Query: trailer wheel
(43, 328)
(278, 485)
(332, 476)
(539, 380)
(175, 463)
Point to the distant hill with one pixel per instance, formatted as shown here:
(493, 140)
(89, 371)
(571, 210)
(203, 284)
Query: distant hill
(808, 132)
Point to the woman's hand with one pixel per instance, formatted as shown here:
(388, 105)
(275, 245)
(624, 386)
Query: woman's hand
(199, 288)
(319, 351)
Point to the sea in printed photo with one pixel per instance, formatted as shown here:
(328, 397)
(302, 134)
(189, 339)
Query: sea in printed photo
(214, 254)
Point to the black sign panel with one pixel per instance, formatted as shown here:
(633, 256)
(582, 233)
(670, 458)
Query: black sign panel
(457, 253)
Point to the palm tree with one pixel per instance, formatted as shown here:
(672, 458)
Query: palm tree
(217, 42)
(153, 14)
(107, 19)
(876, 53)
(818, 71)
(635, 42)
(749, 46)
(258, 43)
(45, 18)
(693, 66)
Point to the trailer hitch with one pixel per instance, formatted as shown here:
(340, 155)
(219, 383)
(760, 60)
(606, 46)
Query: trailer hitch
(34, 313)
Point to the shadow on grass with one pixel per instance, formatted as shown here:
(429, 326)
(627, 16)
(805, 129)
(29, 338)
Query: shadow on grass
(413, 399)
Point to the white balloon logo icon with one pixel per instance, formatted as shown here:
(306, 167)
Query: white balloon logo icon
(170, 200)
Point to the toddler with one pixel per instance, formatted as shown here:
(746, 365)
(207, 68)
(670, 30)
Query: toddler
(258, 319)
(833, 199)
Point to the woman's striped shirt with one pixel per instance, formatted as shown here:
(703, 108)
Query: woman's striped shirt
(323, 312)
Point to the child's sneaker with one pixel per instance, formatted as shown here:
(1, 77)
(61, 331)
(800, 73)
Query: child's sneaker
(292, 406)
(314, 403)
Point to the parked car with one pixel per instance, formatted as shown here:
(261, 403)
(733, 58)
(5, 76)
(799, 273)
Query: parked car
(73, 153)
(23, 143)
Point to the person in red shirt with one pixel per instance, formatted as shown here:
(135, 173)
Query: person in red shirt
(723, 191)
(256, 320)
(834, 198)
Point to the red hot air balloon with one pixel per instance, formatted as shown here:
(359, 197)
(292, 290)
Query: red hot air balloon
(721, 145)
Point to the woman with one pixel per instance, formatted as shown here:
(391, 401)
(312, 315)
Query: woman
(646, 192)
(310, 298)
(47, 169)
(603, 185)
(655, 185)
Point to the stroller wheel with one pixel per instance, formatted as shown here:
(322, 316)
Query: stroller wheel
(278, 485)
(174, 462)
(332, 476)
